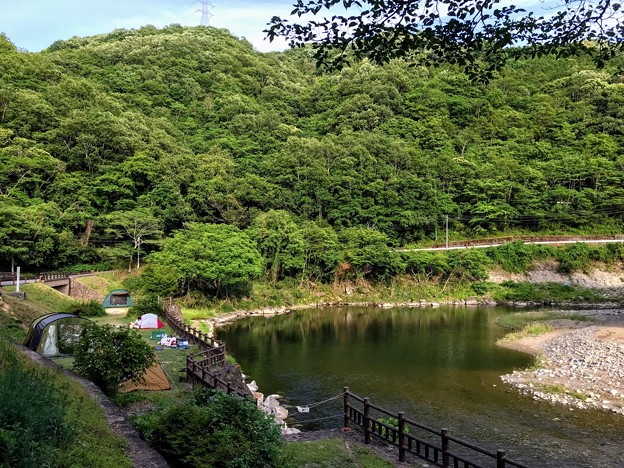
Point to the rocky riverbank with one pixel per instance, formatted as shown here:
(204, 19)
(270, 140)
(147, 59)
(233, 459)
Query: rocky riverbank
(580, 364)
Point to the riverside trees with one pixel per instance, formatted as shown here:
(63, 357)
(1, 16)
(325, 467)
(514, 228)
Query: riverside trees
(190, 125)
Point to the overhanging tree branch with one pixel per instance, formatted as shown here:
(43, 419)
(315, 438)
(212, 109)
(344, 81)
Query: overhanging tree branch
(476, 35)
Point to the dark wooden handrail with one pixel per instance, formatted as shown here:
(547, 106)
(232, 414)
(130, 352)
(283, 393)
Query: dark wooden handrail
(439, 453)
(199, 366)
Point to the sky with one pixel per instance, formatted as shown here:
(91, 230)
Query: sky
(33, 25)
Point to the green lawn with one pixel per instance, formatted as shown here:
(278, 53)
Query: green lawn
(332, 453)
(44, 297)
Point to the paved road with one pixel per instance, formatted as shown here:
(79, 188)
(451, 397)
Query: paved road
(487, 245)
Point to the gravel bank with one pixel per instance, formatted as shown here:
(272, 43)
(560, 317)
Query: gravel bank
(581, 368)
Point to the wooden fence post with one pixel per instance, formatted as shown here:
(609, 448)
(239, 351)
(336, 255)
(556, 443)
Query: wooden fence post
(445, 448)
(366, 422)
(401, 436)
(345, 399)
(500, 458)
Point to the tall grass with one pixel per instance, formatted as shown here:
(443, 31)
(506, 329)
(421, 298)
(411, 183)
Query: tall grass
(48, 420)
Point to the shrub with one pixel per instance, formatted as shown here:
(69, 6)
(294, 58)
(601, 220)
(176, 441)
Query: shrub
(87, 309)
(577, 257)
(146, 305)
(161, 280)
(429, 264)
(109, 357)
(469, 264)
(218, 430)
(367, 251)
(516, 257)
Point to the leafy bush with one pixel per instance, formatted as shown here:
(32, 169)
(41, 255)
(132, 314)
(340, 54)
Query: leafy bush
(577, 257)
(368, 253)
(469, 264)
(109, 357)
(146, 305)
(516, 257)
(217, 430)
(87, 309)
(429, 264)
(393, 423)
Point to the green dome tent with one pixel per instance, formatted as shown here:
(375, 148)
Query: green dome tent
(118, 298)
(55, 334)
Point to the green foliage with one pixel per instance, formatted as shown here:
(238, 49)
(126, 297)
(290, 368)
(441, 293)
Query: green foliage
(109, 357)
(160, 279)
(544, 292)
(469, 264)
(428, 264)
(393, 423)
(110, 142)
(87, 309)
(516, 257)
(48, 420)
(217, 258)
(33, 420)
(368, 254)
(475, 36)
(578, 257)
(280, 242)
(149, 304)
(217, 430)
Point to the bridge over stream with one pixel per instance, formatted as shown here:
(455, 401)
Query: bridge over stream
(59, 280)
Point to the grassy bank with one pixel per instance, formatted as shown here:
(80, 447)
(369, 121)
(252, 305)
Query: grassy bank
(400, 290)
(51, 421)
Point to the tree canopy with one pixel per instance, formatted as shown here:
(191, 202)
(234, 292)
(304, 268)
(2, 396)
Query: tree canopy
(111, 143)
(475, 34)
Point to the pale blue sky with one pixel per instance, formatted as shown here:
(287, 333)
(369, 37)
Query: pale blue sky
(35, 24)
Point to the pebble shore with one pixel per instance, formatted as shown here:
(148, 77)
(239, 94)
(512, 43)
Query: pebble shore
(581, 368)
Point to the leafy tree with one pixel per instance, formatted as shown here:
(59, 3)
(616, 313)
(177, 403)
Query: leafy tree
(160, 279)
(368, 253)
(214, 257)
(108, 357)
(280, 242)
(460, 33)
(91, 308)
(322, 251)
(139, 225)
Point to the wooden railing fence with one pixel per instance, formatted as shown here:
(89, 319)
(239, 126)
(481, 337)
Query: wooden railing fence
(199, 366)
(8, 276)
(430, 444)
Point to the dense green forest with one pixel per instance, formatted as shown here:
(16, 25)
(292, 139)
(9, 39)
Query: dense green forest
(110, 144)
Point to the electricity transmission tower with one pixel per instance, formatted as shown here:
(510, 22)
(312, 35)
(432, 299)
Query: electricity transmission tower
(206, 12)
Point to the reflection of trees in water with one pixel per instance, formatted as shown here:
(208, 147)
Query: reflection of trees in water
(444, 337)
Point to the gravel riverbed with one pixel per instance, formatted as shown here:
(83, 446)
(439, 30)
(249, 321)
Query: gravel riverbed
(579, 367)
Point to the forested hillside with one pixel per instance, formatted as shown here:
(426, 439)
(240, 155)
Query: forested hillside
(110, 143)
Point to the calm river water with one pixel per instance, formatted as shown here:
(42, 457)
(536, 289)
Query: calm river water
(441, 366)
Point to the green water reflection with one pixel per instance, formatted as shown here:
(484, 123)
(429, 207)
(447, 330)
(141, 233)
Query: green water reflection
(441, 366)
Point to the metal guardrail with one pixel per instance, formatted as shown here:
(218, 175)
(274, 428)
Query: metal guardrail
(430, 444)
